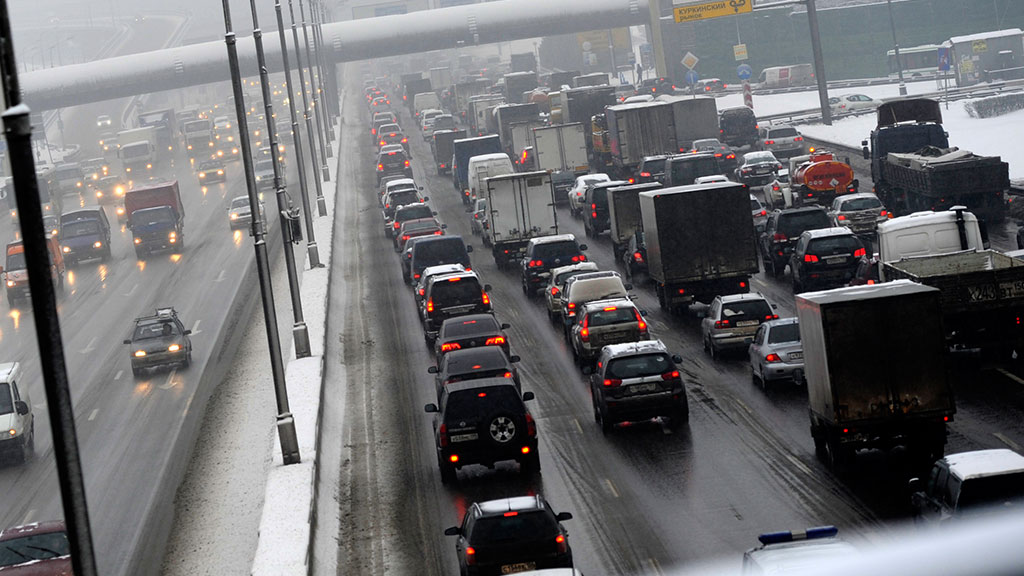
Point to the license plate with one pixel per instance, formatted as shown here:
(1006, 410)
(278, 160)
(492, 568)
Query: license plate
(835, 259)
(747, 323)
(518, 567)
(464, 437)
(639, 388)
(796, 355)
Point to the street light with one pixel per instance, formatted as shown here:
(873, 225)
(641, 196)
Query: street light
(896, 44)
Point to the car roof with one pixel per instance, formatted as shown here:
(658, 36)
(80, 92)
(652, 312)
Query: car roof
(515, 504)
(442, 269)
(749, 297)
(607, 184)
(857, 195)
(982, 463)
(799, 555)
(455, 274)
(828, 232)
(579, 266)
(448, 238)
(610, 302)
(814, 208)
(6, 369)
(33, 528)
(781, 322)
(418, 221)
(553, 239)
(633, 348)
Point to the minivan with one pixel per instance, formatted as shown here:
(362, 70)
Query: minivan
(84, 234)
(484, 167)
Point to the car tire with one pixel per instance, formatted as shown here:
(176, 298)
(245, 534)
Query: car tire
(777, 269)
(715, 353)
(448, 473)
(530, 464)
(704, 343)
(602, 421)
(136, 372)
(188, 360)
(32, 436)
(754, 378)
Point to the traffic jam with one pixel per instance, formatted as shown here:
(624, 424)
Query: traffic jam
(704, 213)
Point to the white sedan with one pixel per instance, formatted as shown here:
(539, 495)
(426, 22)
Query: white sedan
(579, 190)
(851, 102)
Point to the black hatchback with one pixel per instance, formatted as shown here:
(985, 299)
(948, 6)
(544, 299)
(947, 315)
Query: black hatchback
(827, 258)
(483, 422)
(782, 230)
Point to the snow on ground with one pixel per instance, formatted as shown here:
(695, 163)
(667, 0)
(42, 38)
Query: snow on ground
(765, 105)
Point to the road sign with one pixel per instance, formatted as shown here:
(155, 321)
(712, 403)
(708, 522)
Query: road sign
(690, 61)
(744, 71)
(944, 59)
(706, 10)
(692, 77)
(587, 46)
(739, 51)
(748, 97)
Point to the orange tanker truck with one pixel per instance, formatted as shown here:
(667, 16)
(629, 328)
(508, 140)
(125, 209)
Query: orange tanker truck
(820, 178)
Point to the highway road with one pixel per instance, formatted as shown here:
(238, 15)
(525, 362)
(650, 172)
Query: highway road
(644, 499)
(135, 434)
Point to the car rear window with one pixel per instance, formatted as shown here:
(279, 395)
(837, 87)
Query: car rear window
(403, 197)
(414, 212)
(556, 250)
(392, 159)
(746, 310)
(469, 327)
(755, 204)
(446, 251)
(795, 223)
(34, 547)
(524, 526)
(638, 366)
(480, 402)
(424, 224)
(1002, 491)
(611, 315)
(784, 333)
(599, 196)
(685, 171)
(655, 166)
(833, 245)
(783, 133)
(865, 203)
(465, 290)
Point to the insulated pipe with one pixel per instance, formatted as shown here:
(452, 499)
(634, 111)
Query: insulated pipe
(416, 32)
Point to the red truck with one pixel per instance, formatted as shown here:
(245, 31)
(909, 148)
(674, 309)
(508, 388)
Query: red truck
(15, 272)
(156, 217)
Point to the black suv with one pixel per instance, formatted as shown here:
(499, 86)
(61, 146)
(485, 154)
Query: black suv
(473, 364)
(546, 253)
(159, 340)
(651, 169)
(782, 230)
(827, 258)
(511, 535)
(483, 422)
(595, 207)
(737, 126)
(470, 331)
(450, 295)
(637, 381)
(393, 163)
(434, 251)
(683, 169)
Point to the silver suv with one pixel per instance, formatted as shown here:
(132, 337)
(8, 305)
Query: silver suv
(637, 381)
(783, 141)
(732, 320)
(19, 436)
(861, 212)
(605, 322)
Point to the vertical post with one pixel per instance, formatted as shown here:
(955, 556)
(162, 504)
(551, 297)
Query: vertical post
(325, 76)
(611, 54)
(314, 85)
(321, 202)
(18, 132)
(285, 422)
(660, 64)
(300, 334)
(312, 251)
(896, 48)
(819, 63)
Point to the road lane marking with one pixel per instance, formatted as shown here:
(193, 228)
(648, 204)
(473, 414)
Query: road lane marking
(740, 402)
(655, 567)
(130, 292)
(578, 427)
(118, 375)
(1002, 437)
(92, 415)
(611, 487)
(89, 347)
(195, 327)
(1011, 376)
(220, 277)
(29, 516)
(170, 380)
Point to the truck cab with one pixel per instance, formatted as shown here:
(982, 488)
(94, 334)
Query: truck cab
(84, 234)
(968, 484)
(15, 272)
(929, 233)
(15, 413)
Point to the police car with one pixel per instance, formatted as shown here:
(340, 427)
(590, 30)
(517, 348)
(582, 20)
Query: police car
(796, 552)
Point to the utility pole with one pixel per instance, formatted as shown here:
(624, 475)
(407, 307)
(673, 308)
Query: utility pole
(819, 63)
(18, 132)
(285, 422)
(660, 64)
(326, 75)
(315, 89)
(312, 251)
(321, 202)
(896, 45)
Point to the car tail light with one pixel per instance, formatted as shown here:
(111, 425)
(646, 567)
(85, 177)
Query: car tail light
(405, 140)
(640, 321)
(798, 139)
(612, 382)
(442, 434)
(771, 316)
(439, 233)
(580, 258)
(771, 358)
(572, 305)
(453, 458)
(406, 163)
(470, 556)
(769, 142)
(449, 346)
(810, 258)
(373, 131)
(718, 154)
(743, 284)
(885, 213)
(380, 167)
(405, 237)
(764, 212)
(507, 374)
(593, 207)
(554, 290)
(560, 545)
(494, 341)
(722, 323)
(535, 263)
(593, 215)
(670, 375)
(779, 237)
(638, 257)
(585, 331)
(430, 305)
(397, 225)
(645, 174)
(422, 291)
(383, 142)
(841, 217)
(485, 298)
(531, 425)
(775, 188)
(730, 156)
(631, 181)
(860, 253)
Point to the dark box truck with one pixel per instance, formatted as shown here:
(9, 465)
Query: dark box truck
(441, 146)
(462, 151)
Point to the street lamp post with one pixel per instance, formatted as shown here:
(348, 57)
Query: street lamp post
(314, 85)
(285, 422)
(312, 251)
(896, 48)
(326, 77)
(819, 63)
(321, 202)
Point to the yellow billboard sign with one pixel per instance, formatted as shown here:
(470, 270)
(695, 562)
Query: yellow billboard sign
(706, 10)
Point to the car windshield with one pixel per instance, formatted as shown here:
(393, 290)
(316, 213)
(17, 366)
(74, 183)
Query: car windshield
(458, 291)
(611, 315)
(833, 245)
(707, 143)
(16, 261)
(154, 330)
(129, 151)
(784, 333)
(638, 366)
(746, 310)
(654, 166)
(6, 400)
(481, 205)
(79, 228)
(152, 216)
(758, 158)
(866, 203)
(783, 133)
(556, 250)
(477, 402)
(34, 547)
(446, 251)
(210, 166)
(1002, 491)
(795, 223)
(524, 526)
(242, 202)
(264, 165)
(460, 328)
(424, 224)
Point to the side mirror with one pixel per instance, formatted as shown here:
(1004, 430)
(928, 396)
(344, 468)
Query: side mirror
(187, 332)
(775, 306)
(430, 408)
(866, 153)
(425, 198)
(432, 370)
(505, 325)
(563, 516)
(452, 531)
(21, 407)
(914, 484)
(433, 213)
(469, 249)
(587, 370)
(527, 396)
(487, 287)
(513, 359)
(444, 226)
(677, 358)
(420, 188)
(127, 341)
(642, 312)
(628, 286)
(583, 247)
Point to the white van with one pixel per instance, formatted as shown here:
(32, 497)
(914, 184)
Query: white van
(929, 233)
(486, 166)
(786, 76)
(16, 417)
(425, 101)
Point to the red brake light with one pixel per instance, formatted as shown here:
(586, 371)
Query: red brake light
(841, 217)
(535, 263)
(585, 332)
(560, 543)
(769, 141)
(610, 309)
(406, 163)
(449, 346)
(670, 375)
(470, 555)
(593, 215)
(405, 237)
(380, 167)
(430, 305)
(764, 212)
(612, 382)
(641, 325)
(531, 426)
(772, 358)
(779, 237)
(722, 323)
(798, 139)
(393, 134)
(383, 142)
(810, 258)
(885, 213)
(442, 433)
(645, 174)
(495, 341)
(631, 181)
(638, 257)
(507, 374)
(572, 305)
(486, 299)
(860, 253)
(554, 290)
(404, 140)
(513, 513)
(439, 233)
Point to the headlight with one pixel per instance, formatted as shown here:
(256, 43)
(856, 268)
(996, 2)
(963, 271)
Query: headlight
(119, 190)
(202, 175)
(220, 172)
(140, 353)
(12, 432)
(234, 216)
(138, 240)
(99, 194)
(120, 210)
(97, 244)
(173, 348)
(149, 166)
(78, 184)
(65, 249)
(10, 283)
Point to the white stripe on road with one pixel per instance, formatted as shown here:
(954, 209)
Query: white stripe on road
(92, 415)
(1002, 438)
(29, 516)
(170, 380)
(1011, 376)
(611, 487)
(118, 375)
(195, 327)
(130, 292)
(89, 347)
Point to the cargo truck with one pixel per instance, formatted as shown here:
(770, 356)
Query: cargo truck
(519, 207)
(462, 151)
(137, 149)
(594, 79)
(199, 140)
(914, 168)
(638, 130)
(559, 79)
(562, 150)
(517, 83)
(15, 271)
(440, 78)
(693, 256)
(156, 218)
(875, 367)
(522, 62)
(694, 119)
(441, 146)
(624, 214)
(508, 114)
(463, 91)
(165, 123)
(522, 138)
(414, 87)
(480, 111)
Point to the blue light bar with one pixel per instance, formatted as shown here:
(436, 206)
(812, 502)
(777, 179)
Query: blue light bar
(789, 536)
